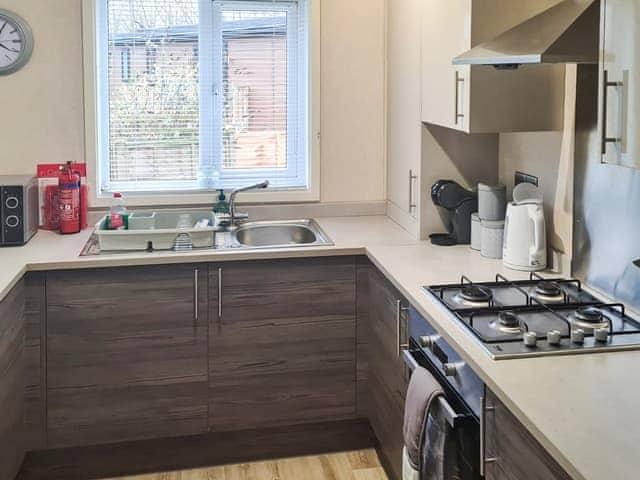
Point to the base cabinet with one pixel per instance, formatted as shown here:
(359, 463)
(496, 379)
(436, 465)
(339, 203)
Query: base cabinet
(383, 320)
(12, 383)
(282, 343)
(515, 454)
(135, 353)
(35, 357)
(126, 354)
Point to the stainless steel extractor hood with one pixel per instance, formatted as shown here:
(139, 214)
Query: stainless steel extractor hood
(565, 33)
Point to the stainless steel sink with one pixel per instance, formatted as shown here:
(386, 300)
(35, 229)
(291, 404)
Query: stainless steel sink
(274, 234)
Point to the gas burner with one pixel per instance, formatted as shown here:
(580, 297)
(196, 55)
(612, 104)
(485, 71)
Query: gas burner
(548, 291)
(507, 322)
(537, 317)
(589, 314)
(590, 318)
(475, 295)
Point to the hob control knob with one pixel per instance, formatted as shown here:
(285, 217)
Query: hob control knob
(428, 341)
(530, 339)
(450, 369)
(601, 334)
(577, 335)
(554, 337)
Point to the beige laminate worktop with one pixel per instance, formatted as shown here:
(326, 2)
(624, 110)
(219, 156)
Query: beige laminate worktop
(584, 409)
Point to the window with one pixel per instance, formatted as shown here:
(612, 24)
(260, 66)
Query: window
(125, 64)
(152, 53)
(207, 94)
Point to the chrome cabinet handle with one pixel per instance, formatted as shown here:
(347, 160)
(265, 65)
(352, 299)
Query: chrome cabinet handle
(400, 346)
(606, 85)
(412, 177)
(458, 81)
(196, 295)
(220, 293)
(483, 431)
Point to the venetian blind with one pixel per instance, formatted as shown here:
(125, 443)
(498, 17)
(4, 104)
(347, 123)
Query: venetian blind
(203, 94)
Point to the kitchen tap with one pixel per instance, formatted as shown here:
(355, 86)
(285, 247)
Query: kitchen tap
(233, 215)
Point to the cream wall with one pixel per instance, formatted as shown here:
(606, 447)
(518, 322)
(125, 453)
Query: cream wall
(550, 157)
(42, 105)
(452, 155)
(353, 100)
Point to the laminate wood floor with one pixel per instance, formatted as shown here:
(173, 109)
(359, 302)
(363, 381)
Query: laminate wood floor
(358, 465)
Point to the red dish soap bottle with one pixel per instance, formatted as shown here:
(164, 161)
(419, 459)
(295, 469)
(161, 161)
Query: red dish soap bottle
(118, 214)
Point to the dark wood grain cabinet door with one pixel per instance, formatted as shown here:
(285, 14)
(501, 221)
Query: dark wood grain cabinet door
(126, 353)
(35, 358)
(516, 454)
(12, 384)
(282, 343)
(387, 378)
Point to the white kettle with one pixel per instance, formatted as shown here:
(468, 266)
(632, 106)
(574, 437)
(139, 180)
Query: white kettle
(525, 236)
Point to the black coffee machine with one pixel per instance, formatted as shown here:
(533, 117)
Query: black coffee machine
(458, 204)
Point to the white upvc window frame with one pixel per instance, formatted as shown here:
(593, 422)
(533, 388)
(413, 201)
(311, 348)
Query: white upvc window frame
(95, 52)
(211, 99)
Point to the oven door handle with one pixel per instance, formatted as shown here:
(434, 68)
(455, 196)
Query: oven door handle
(451, 416)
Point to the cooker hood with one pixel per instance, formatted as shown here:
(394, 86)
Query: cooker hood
(565, 33)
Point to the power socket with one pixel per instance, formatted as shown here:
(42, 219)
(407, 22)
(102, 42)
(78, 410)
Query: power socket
(522, 177)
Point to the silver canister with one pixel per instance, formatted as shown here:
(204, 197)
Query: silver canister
(492, 201)
(476, 232)
(492, 238)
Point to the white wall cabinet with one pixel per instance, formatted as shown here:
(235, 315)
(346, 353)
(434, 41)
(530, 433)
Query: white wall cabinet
(619, 119)
(404, 140)
(481, 99)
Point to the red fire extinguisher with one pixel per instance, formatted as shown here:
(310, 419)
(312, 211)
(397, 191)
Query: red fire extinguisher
(69, 199)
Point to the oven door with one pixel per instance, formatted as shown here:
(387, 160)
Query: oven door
(460, 416)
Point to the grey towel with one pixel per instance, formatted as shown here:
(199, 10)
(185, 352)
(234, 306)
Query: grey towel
(423, 390)
(440, 453)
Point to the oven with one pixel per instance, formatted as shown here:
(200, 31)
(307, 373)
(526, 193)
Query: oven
(463, 389)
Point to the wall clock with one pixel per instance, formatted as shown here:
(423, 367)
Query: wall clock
(16, 42)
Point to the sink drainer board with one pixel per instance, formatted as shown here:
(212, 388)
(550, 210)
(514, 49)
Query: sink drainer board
(160, 228)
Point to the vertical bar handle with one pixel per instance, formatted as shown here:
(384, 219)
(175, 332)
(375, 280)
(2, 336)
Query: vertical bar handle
(196, 295)
(400, 346)
(412, 178)
(606, 85)
(457, 114)
(220, 293)
(483, 431)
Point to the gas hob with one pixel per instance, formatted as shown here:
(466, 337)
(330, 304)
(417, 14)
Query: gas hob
(539, 316)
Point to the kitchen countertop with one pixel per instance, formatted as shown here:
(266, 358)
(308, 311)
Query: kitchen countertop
(584, 409)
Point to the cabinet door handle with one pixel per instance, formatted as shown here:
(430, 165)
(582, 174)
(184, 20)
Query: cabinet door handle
(458, 81)
(606, 85)
(483, 431)
(399, 343)
(196, 295)
(220, 293)
(412, 177)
